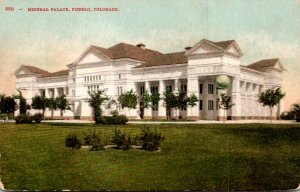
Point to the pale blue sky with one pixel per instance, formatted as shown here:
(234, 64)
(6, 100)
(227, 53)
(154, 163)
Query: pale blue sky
(262, 28)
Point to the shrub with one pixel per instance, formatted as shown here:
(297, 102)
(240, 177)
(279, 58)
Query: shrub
(297, 119)
(287, 116)
(21, 119)
(72, 141)
(3, 116)
(113, 120)
(94, 140)
(151, 139)
(38, 117)
(121, 140)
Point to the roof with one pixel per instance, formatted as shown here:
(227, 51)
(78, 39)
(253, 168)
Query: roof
(166, 59)
(58, 73)
(222, 44)
(124, 50)
(35, 70)
(263, 64)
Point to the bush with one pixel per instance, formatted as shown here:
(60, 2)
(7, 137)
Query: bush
(3, 116)
(113, 120)
(151, 139)
(121, 140)
(72, 141)
(297, 119)
(287, 116)
(21, 119)
(38, 117)
(94, 140)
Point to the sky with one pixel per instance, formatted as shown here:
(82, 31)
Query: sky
(50, 40)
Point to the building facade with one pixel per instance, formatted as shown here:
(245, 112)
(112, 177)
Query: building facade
(125, 67)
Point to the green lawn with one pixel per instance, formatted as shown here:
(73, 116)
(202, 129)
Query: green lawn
(193, 157)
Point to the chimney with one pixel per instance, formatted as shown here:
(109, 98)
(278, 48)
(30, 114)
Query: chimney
(187, 48)
(141, 45)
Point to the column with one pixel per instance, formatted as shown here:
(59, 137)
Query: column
(255, 111)
(138, 107)
(17, 112)
(249, 100)
(236, 99)
(177, 84)
(281, 107)
(47, 93)
(55, 92)
(161, 107)
(193, 88)
(148, 111)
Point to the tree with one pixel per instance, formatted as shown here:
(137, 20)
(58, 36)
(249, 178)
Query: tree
(192, 100)
(23, 105)
(171, 102)
(270, 98)
(145, 100)
(128, 100)
(224, 102)
(96, 100)
(39, 103)
(296, 110)
(155, 97)
(51, 104)
(8, 105)
(62, 103)
(2, 97)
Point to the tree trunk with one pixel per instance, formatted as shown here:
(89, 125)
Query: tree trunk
(271, 111)
(225, 117)
(61, 113)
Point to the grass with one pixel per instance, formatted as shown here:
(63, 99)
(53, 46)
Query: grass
(193, 157)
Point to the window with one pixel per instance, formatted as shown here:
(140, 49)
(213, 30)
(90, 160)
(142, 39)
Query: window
(120, 76)
(154, 89)
(84, 79)
(200, 105)
(201, 88)
(210, 105)
(169, 88)
(210, 88)
(97, 78)
(120, 91)
(183, 88)
(142, 90)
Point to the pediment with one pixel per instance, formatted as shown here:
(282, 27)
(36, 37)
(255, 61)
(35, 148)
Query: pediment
(91, 57)
(278, 66)
(203, 47)
(22, 71)
(233, 50)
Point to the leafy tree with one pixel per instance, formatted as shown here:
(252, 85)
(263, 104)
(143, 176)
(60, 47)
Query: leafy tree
(96, 100)
(171, 102)
(51, 104)
(225, 103)
(128, 100)
(155, 97)
(146, 99)
(8, 105)
(62, 103)
(296, 109)
(270, 98)
(2, 97)
(23, 105)
(192, 100)
(39, 103)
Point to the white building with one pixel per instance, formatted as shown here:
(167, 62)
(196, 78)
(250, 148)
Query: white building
(123, 67)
